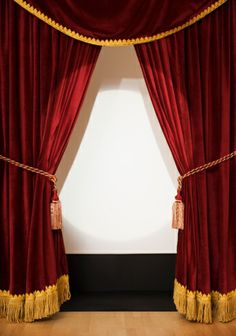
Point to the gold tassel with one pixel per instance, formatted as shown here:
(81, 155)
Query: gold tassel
(63, 290)
(4, 301)
(29, 307)
(180, 297)
(15, 309)
(56, 213)
(204, 308)
(225, 306)
(191, 308)
(178, 213)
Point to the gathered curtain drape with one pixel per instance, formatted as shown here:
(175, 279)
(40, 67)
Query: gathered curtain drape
(43, 78)
(191, 80)
(119, 22)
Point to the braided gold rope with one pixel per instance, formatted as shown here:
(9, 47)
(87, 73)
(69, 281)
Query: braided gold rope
(204, 167)
(51, 177)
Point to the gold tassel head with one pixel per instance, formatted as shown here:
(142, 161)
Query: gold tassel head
(56, 213)
(178, 213)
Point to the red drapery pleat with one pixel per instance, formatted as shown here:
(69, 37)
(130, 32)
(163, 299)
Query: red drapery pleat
(191, 80)
(43, 78)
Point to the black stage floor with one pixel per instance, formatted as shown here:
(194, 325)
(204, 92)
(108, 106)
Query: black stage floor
(120, 301)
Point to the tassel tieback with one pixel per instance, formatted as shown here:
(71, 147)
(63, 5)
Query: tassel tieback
(56, 213)
(55, 205)
(178, 206)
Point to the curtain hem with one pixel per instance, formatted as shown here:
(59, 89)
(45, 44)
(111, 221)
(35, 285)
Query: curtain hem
(116, 42)
(204, 308)
(36, 305)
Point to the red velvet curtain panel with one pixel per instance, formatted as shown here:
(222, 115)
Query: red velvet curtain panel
(191, 79)
(43, 78)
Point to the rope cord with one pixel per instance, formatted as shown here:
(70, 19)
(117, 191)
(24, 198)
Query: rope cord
(51, 177)
(204, 167)
(191, 172)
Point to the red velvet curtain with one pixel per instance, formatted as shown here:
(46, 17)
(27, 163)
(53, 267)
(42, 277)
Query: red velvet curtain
(119, 19)
(191, 79)
(43, 78)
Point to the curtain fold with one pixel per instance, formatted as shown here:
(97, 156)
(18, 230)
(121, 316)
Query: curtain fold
(191, 80)
(119, 22)
(43, 78)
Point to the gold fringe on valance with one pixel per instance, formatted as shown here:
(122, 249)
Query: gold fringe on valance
(119, 42)
(36, 305)
(205, 308)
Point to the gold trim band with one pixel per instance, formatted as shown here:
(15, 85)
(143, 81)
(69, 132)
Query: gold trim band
(120, 42)
(205, 308)
(36, 305)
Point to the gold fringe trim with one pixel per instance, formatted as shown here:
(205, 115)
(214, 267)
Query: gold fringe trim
(120, 42)
(36, 305)
(205, 308)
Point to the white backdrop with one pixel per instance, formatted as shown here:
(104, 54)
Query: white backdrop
(117, 177)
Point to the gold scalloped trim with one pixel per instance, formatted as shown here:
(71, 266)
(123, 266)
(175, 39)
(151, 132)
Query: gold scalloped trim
(205, 308)
(36, 305)
(120, 42)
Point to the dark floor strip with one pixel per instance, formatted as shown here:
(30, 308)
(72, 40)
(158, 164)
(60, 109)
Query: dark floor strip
(120, 301)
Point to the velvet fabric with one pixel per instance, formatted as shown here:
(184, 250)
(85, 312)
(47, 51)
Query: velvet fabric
(120, 19)
(43, 78)
(191, 79)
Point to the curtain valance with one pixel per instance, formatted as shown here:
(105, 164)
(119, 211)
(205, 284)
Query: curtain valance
(115, 23)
